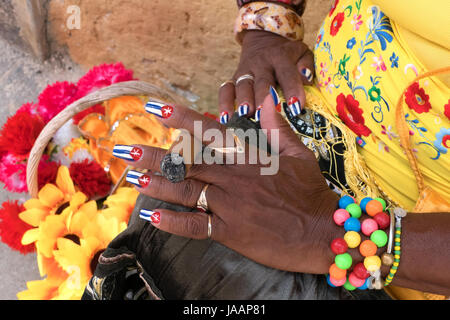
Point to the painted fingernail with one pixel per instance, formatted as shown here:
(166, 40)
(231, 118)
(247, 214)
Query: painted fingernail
(159, 109)
(243, 109)
(151, 216)
(276, 98)
(258, 114)
(139, 179)
(128, 153)
(294, 106)
(307, 74)
(224, 117)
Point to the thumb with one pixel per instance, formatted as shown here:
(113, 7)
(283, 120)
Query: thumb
(279, 132)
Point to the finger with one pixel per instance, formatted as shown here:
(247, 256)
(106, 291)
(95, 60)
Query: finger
(182, 117)
(306, 67)
(290, 81)
(184, 193)
(279, 133)
(227, 96)
(263, 81)
(140, 156)
(245, 98)
(193, 225)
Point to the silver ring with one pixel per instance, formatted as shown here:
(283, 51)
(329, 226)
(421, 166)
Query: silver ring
(245, 77)
(202, 203)
(209, 226)
(227, 82)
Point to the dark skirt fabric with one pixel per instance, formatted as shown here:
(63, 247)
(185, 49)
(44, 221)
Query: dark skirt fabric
(146, 263)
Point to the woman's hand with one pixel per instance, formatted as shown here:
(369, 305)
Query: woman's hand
(283, 221)
(270, 59)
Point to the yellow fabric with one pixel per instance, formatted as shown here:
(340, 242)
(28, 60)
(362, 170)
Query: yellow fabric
(364, 68)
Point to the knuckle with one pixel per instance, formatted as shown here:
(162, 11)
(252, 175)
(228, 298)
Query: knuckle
(186, 191)
(193, 227)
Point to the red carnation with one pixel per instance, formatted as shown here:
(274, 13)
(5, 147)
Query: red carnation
(336, 23)
(417, 99)
(103, 76)
(12, 228)
(19, 134)
(47, 171)
(90, 177)
(447, 110)
(350, 113)
(98, 108)
(55, 98)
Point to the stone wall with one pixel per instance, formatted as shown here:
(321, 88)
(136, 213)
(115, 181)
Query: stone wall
(187, 46)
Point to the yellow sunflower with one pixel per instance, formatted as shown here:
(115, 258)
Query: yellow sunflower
(121, 204)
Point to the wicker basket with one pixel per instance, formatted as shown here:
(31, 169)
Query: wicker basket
(129, 88)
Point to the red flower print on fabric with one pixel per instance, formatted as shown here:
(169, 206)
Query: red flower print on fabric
(333, 7)
(350, 113)
(447, 110)
(417, 99)
(336, 23)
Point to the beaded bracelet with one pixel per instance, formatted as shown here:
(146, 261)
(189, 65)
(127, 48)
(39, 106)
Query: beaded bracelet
(388, 258)
(269, 17)
(365, 275)
(297, 5)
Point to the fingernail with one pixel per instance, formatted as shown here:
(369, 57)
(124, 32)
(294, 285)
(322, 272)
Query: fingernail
(139, 179)
(224, 117)
(294, 106)
(159, 109)
(276, 98)
(243, 109)
(258, 114)
(307, 74)
(128, 153)
(151, 216)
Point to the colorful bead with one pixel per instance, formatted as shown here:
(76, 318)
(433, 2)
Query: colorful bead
(340, 216)
(380, 238)
(383, 220)
(329, 282)
(349, 286)
(338, 283)
(372, 263)
(343, 261)
(361, 271)
(355, 280)
(336, 272)
(354, 210)
(368, 226)
(387, 259)
(345, 201)
(352, 238)
(364, 202)
(368, 248)
(365, 285)
(352, 224)
(383, 203)
(373, 207)
(339, 246)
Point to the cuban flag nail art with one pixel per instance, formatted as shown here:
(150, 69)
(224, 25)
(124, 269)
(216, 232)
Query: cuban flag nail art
(159, 109)
(128, 153)
(307, 74)
(139, 179)
(294, 106)
(258, 114)
(276, 98)
(224, 117)
(243, 109)
(151, 216)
